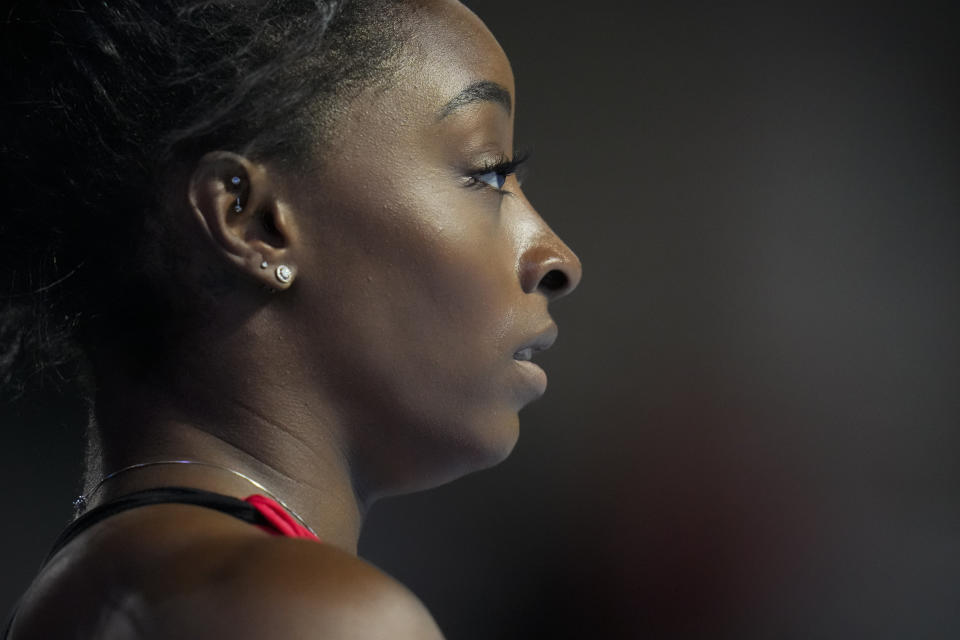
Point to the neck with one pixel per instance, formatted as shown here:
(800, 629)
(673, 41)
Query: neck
(81, 501)
(310, 475)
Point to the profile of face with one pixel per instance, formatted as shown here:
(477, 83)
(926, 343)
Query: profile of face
(423, 272)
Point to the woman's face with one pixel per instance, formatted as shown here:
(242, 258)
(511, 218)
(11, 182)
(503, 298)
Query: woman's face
(423, 281)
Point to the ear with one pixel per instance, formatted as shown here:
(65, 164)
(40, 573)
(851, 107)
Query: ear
(236, 204)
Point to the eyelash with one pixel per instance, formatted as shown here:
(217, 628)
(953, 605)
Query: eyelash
(502, 166)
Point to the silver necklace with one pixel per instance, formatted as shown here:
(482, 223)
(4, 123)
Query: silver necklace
(81, 501)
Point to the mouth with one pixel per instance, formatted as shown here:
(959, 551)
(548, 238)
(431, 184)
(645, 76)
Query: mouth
(524, 355)
(541, 342)
(534, 376)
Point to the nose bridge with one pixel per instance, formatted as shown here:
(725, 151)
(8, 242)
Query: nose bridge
(546, 265)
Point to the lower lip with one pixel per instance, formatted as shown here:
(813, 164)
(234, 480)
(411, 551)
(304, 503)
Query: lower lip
(534, 375)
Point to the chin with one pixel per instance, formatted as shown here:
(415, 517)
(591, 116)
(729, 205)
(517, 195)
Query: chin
(474, 447)
(495, 444)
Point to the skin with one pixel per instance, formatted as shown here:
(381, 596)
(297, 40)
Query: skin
(387, 365)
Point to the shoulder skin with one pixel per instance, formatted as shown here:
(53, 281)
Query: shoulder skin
(174, 571)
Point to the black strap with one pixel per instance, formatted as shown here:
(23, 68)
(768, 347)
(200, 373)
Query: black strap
(167, 495)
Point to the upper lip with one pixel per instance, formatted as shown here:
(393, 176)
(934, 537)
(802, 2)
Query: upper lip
(540, 342)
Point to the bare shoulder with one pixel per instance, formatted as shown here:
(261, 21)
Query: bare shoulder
(299, 589)
(139, 578)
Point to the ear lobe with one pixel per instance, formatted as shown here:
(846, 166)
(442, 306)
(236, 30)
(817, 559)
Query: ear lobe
(234, 201)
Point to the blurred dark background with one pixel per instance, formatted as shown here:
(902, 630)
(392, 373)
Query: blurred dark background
(753, 422)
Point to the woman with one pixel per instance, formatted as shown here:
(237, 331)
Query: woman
(285, 242)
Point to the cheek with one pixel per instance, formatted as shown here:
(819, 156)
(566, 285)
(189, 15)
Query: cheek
(450, 290)
(422, 294)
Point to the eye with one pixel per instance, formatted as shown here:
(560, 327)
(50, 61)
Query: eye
(494, 174)
(494, 179)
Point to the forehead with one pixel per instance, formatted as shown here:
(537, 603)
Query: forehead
(445, 34)
(448, 49)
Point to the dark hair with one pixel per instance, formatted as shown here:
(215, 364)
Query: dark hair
(103, 98)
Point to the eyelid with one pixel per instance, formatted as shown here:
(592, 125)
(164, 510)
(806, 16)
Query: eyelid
(501, 166)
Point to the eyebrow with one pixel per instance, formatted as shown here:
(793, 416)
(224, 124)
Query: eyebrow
(482, 91)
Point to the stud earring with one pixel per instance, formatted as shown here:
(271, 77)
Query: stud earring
(284, 274)
(264, 265)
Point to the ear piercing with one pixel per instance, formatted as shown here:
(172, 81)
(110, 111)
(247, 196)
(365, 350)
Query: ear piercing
(236, 182)
(284, 274)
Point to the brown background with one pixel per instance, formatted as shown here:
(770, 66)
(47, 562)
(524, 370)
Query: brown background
(752, 424)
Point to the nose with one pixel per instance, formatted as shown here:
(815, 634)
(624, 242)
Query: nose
(548, 266)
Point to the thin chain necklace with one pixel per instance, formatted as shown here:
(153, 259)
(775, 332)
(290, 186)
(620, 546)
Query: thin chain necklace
(80, 503)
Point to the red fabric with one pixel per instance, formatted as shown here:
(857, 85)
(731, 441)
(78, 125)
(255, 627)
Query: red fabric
(281, 522)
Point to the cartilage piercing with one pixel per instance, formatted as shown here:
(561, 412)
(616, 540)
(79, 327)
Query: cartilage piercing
(235, 180)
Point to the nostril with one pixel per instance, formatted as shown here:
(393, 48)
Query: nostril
(550, 269)
(554, 281)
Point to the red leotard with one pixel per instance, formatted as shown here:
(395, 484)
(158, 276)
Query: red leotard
(281, 523)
